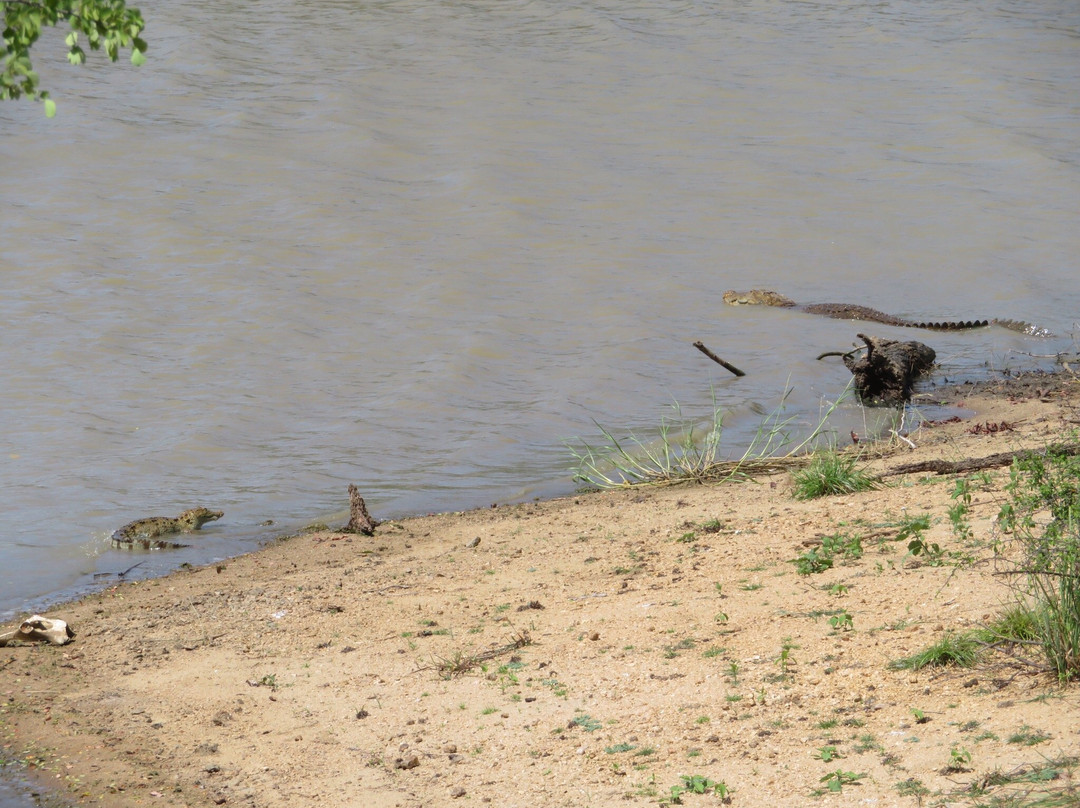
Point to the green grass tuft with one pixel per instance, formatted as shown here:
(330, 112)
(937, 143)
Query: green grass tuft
(952, 649)
(831, 473)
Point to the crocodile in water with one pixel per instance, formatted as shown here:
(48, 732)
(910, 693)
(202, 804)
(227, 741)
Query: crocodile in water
(848, 311)
(142, 533)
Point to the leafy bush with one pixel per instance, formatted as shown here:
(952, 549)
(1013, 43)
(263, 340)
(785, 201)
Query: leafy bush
(1043, 511)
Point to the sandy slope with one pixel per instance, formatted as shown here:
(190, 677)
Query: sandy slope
(306, 673)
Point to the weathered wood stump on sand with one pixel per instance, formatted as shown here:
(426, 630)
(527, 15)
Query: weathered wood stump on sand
(360, 521)
(886, 374)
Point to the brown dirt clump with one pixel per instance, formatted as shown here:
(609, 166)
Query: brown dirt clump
(584, 651)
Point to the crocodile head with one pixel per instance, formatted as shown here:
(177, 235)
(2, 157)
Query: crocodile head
(756, 297)
(197, 517)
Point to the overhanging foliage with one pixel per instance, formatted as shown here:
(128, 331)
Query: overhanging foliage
(105, 24)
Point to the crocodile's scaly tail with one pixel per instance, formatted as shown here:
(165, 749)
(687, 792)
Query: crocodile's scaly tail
(1023, 327)
(146, 544)
(953, 325)
(964, 325)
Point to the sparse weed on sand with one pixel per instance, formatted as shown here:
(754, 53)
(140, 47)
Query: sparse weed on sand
(1046, 784)
(461, 662)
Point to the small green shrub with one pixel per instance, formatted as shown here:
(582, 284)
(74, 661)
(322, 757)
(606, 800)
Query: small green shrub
(913, 526)
(931, 551)
(586, 722)
(696, 784)
(733, 673)
(819, 559)
(959, 758)
(835, 781)
(842, 544)
(844, 621)
(958, 513)
(867, 743)
(827, 754)
(785, 660)
(812, 562)
(912, 787)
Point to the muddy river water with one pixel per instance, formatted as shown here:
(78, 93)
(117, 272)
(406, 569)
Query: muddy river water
(419, 245)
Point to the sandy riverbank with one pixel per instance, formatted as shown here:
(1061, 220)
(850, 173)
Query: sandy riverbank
(306, 673)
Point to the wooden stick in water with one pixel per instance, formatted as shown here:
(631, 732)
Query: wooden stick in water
(727, 365)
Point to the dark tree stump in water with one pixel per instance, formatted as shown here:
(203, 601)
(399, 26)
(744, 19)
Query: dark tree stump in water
(886, 375)
(360, 521)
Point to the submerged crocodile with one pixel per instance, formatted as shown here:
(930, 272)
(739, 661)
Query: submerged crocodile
(142, 533)
(848, 311)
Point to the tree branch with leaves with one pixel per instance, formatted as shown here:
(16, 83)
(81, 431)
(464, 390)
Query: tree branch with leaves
(105, 24)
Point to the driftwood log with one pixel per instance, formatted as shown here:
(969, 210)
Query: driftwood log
(887, 373)
(360, 521)
(980, 463)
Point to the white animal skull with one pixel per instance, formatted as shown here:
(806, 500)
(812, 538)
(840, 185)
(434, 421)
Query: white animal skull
(39, 629)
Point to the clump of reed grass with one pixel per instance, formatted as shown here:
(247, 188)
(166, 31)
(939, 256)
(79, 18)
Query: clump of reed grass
(686, 450)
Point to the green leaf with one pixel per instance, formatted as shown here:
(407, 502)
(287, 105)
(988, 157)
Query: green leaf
(72, 39)
(137, 58)
(50, 108)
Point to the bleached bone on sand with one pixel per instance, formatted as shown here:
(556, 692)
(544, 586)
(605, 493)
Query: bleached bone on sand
(39, 629)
